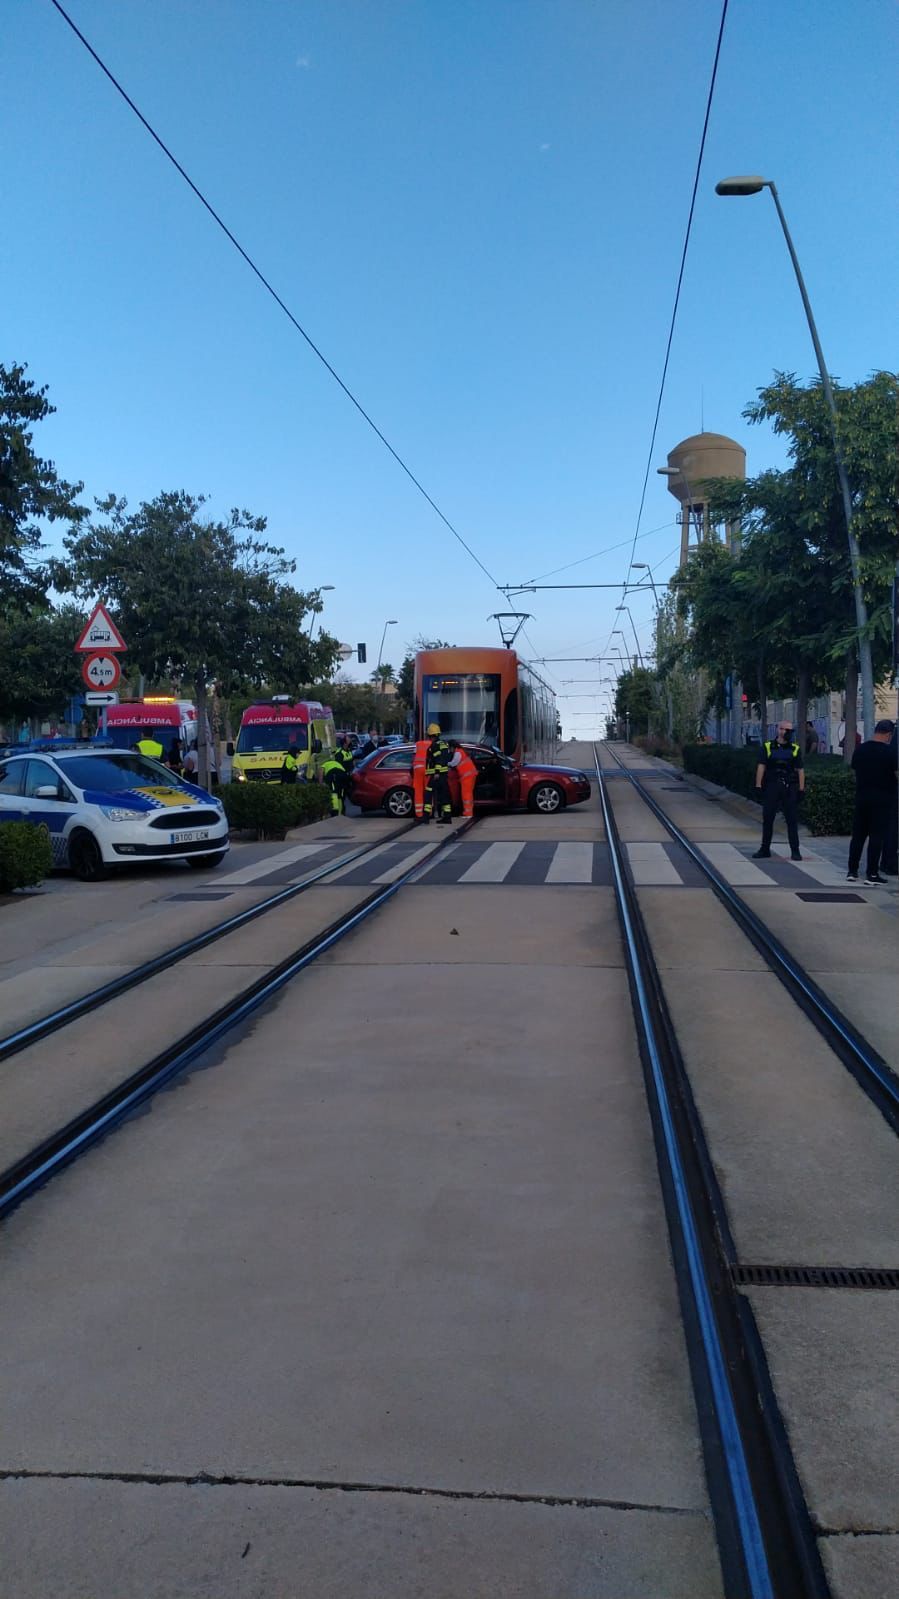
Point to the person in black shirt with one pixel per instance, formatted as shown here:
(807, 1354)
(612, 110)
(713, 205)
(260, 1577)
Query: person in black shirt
(874, 764)
(781, 777)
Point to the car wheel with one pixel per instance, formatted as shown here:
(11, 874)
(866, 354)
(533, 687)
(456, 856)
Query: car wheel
(399, 803)
(85, 857)
(547, 798)
(199, 861)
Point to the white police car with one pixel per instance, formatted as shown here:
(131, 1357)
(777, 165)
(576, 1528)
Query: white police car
(108, 807)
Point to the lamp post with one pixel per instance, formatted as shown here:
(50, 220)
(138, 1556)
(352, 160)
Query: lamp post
(636, 640)
(641, 566)
(390, 623)
(324, 588)
(617, 633)
(754, 185)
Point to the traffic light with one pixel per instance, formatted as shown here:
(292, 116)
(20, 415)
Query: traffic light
(361, 654)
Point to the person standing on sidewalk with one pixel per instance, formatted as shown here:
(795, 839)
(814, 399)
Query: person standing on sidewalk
(874, 765)
(780, 775)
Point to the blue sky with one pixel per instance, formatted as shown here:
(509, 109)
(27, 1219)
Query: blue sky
(476, 209)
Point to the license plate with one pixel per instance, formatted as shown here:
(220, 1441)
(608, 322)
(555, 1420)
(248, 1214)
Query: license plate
(188, 838)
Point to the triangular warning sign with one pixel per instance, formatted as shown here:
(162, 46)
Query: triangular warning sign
(100, 632)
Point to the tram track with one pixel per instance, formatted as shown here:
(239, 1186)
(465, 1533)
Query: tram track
(765, 1536)
(20, 1038)
(872, 1073)
(52, 1154)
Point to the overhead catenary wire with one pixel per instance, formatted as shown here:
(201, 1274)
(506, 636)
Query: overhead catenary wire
(271, 290)
(680, 279)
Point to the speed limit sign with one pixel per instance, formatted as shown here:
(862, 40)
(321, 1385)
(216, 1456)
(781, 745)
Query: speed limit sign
(100, 670)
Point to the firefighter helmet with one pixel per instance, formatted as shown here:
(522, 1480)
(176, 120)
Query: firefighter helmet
(433, 729)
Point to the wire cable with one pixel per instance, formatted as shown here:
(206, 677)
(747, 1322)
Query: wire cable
(597, 553)
(680, 275)
(270, 290)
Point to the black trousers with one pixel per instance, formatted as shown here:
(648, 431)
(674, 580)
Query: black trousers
(437, 795)
(872, 814)
(778, 798)
(889, 860)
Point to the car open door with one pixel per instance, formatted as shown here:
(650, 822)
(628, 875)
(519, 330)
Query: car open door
(512, 777)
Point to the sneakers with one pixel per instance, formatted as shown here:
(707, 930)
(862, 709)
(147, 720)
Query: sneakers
(796, 856)
(762, 855)
(875, 882)
(852, 877)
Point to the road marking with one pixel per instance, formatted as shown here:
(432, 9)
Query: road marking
(734, 866)
(571, 863)
(399, 867)
(271, 863)
(821, 871)
(649, 863)
(342, 871)
(492, 866)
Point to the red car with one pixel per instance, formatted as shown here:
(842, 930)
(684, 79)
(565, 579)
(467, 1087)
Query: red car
(384, 782)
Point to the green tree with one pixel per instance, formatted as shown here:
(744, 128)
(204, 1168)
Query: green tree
(405, 681)
(39, 671)
(635, 698)
(31, 491)
(198, 600)
(867, 415)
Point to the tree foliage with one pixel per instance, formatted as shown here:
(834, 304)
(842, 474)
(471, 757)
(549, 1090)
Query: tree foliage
(198, 600)
(31, 491)
(39, 671)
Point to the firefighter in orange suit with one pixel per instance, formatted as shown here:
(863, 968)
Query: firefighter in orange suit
(419, 779)
(466, 771)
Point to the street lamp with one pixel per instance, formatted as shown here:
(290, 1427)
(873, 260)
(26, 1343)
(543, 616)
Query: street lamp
(641, 566)
(617, 633)
(754, 185)
(390, 623)
(324, 588)
(636, 640)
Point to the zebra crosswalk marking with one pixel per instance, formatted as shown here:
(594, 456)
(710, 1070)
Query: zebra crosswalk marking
(404, 864)
(820, 871)
(734, 866)
(271, 863)
(493, 865)
(650, 863)
(571, 863)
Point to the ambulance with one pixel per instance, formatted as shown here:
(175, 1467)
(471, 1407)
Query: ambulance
(162, 718)
(269, 728)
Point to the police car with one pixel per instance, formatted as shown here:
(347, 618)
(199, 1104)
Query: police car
(107, 807)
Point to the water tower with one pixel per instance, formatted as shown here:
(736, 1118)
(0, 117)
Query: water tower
(690, 463)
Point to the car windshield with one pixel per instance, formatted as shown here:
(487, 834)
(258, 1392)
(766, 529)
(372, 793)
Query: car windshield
(114, 771)
(268, 738)
(464, 704)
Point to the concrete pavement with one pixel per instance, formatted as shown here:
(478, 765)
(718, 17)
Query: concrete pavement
(405, 1235)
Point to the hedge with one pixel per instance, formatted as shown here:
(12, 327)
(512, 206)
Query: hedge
(269, 809)
(829, 783)
(25, 855)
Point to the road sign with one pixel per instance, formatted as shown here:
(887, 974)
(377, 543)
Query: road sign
(101, 670)
(101, 696)
(345, 651)
(100, 633)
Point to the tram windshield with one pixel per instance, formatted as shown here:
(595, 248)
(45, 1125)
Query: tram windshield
(463, 704)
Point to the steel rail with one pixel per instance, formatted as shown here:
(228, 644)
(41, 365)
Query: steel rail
(766, 1542)
(71, 1012)
(19, 1181)
(684, 1229)
(872, 1073)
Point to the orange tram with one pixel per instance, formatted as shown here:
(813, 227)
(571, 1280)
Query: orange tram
(486, 696)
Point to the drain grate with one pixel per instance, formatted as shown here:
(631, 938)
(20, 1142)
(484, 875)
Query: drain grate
(217, 893)
(815, 1276)
(831, 899)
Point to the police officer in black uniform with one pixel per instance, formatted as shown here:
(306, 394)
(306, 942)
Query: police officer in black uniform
(781, 777)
